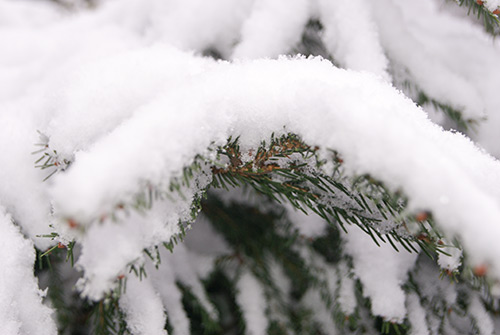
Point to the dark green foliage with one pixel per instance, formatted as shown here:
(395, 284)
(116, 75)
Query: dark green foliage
(329, 245)
(311, 43)
(107, 318)
(201, 322)
(490, 21)
(72, 313)
(259, 240)
(222, 293)
(254, 237)
(261, 236)
(455, 116)
(337, 198)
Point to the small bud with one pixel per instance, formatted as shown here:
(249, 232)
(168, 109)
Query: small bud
(480, 2)
(424, 237)
(72, 223)
(422, 216)
(60, 245)
(496, 11)
(480, 270)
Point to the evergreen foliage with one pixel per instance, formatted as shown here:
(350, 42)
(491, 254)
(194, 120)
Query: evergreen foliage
(264, 272)
(262, 238)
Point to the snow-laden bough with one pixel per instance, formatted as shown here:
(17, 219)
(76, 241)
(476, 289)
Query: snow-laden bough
(373, 126)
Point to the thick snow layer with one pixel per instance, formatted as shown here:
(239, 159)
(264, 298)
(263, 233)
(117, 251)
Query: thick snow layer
(416, 315)
(143, 308)
(354, 43)
(103, 262)
(450, 59)
(361, 116)
(21, 308)
(273, 28)
(122, 91)
(417, 45)
(382, 270)
(21, 190)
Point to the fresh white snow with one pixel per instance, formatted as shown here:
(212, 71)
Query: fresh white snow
(123, 91)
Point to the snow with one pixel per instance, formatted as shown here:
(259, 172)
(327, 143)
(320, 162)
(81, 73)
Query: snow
(431, 286)
(481, 316)
(251, 298)
(382, 270)
(164, 280)
(322, 314)
(463, 61)
(361, 115)
(417, 48)
(21, 307)
(353, 43)
(103, 263)
(28, 203)
(452, 259)
(416, 315)
(347, 298)
(123, 92)
(308, 225)
(492, 5)
(188, 276)
(272, 29)
(143, 308)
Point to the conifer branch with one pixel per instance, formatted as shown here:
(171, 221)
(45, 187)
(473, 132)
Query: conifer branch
(489, 18)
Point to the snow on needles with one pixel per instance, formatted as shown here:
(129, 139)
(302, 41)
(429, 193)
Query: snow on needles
(382, 270)
(372, 125)
(116, 92)
(21, 308)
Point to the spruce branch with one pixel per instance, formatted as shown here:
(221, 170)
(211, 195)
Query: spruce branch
(285, 169)
(289, 170)
(490, 18)
(49, 160)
